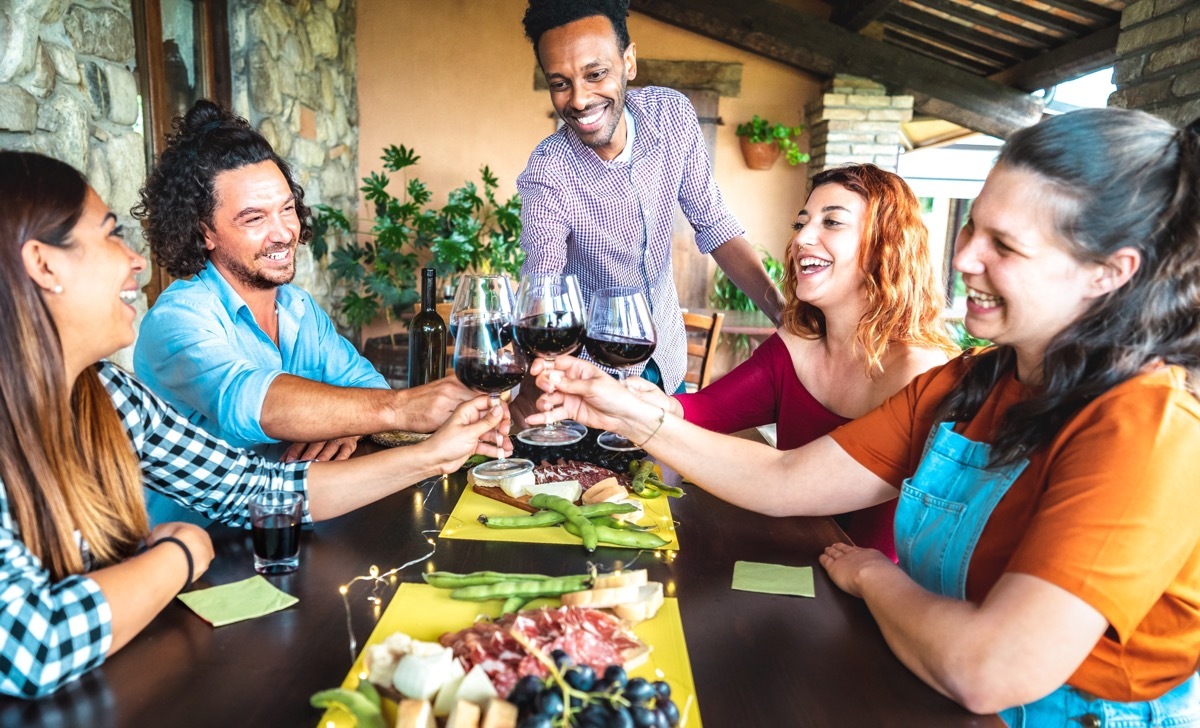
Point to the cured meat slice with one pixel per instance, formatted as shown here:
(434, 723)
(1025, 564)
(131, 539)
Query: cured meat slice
(588, 474)
(589, 636)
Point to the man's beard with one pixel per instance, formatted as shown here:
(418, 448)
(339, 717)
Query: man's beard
(255, 279)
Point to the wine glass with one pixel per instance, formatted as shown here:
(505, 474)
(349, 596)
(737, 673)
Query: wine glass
(620, 333)
(549, 322)
(485, 358)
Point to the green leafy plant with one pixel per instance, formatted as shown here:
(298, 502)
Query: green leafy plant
(728, 296)
(758, 130)
(378, 267)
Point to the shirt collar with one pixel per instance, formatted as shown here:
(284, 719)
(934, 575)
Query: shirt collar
(285, 297)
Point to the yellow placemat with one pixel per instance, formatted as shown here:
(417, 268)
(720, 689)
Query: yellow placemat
(463, 523)
(425, 613)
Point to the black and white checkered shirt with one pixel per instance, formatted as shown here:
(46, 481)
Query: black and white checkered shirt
(52, 632)
(609, 223)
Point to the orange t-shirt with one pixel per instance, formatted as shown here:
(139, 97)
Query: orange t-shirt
(1109, 511)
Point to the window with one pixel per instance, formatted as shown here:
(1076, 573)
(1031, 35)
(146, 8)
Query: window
(182, 56)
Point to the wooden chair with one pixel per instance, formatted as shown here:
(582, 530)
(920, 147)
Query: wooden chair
(703, 334)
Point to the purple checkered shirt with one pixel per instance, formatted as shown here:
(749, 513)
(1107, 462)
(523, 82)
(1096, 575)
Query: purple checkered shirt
(609, 223)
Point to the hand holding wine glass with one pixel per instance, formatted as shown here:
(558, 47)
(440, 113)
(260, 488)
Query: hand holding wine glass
(549, 322)
(620, 334)
(485, 358)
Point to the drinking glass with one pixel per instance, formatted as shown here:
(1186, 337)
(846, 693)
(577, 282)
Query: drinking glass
(620, 334)
(485, 357)
(275, 518)
(550, 322)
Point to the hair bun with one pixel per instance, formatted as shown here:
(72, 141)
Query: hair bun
(205, 116)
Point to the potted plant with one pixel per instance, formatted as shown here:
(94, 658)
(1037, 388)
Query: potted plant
(761, 142)
(726, 295)
(377, 267)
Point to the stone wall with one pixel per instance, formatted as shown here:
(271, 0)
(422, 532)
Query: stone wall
(293, 65)
(855, 122)
(68, 90)
(1158, 59)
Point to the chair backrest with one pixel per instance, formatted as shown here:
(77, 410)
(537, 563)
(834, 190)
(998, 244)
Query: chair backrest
(701, 347)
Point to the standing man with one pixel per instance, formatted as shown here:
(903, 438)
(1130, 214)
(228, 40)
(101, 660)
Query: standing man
(598, 196)
(232, 344)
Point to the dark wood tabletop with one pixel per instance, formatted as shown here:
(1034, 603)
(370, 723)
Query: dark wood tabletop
(757, 659)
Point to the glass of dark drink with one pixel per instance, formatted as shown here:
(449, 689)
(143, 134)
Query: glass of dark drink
(549, 322)
(486, 358)
(620, 334)
(275, 518)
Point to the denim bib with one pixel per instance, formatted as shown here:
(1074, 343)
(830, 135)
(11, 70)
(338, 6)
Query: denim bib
(941, 513)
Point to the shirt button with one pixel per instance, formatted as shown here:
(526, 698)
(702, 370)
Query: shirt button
(1089, 720)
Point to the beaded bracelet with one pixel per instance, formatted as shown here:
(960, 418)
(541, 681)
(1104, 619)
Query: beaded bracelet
(661, 418)
(187, 554)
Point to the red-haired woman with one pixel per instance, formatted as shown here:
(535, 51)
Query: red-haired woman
(863, 317)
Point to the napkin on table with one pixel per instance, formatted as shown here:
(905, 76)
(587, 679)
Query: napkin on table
(229, 603)
(773, 579)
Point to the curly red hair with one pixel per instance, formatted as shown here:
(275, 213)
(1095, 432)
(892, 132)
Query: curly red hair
(904, 299)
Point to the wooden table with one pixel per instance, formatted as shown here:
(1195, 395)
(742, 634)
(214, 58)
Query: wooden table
(758, 660)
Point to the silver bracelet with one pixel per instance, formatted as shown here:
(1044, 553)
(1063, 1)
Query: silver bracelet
(661, 418)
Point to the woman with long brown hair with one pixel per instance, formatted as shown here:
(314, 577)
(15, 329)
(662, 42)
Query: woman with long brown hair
(79, 437)
(862, 318)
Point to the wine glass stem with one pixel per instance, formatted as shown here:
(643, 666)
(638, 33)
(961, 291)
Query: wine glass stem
(495, 402)
(550, 424)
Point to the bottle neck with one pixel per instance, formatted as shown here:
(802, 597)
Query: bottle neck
(428, 289)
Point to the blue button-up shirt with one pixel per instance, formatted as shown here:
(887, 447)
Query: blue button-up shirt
(201, 350)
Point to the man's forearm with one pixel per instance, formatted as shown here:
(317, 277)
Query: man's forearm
(301, 410)
(743, 266)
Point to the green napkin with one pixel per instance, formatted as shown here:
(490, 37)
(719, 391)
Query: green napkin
(773, 579)
(229, 603)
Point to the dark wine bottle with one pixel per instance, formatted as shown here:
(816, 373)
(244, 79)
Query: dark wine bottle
(426, 337)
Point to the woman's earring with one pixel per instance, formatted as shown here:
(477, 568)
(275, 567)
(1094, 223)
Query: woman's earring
(58, 289)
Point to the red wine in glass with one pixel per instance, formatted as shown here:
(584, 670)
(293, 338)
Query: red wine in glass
(618, 351)
(620, 334)
(549, 323)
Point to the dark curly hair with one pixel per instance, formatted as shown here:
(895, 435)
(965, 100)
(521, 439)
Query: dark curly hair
(178, 195)
(543, 15)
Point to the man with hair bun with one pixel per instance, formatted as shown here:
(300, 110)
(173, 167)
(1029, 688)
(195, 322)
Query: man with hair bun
(599, 195)
(232, 344)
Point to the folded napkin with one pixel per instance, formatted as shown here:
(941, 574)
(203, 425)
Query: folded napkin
(773, 579)
(229, 603)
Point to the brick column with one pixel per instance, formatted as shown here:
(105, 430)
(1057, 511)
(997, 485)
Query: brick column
(855, 121)
(1158, 59)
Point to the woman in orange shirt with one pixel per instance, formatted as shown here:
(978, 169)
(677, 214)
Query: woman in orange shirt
(1049, 550)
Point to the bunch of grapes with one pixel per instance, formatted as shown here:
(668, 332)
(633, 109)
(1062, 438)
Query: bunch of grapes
(574, 695)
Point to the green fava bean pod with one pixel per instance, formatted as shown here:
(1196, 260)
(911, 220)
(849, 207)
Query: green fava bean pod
(366, 714)
(628, 539)
(541, 519)
(587, 532)
(450, 580)
(526, 589)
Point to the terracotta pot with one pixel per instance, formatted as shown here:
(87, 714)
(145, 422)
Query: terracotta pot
(759, 155)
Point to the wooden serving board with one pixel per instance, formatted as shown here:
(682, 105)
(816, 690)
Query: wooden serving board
(491, 491)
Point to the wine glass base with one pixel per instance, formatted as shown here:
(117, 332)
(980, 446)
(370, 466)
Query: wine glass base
(561, 433)
(613, 441)
(501, 469)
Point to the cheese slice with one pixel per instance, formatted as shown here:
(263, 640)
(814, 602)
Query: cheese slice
(647, 604)
(517, 485)
(499, 714)
(476, 687)
(444, 701)
(569, 489)
(464, 715)
(415, 714)
(633, 516)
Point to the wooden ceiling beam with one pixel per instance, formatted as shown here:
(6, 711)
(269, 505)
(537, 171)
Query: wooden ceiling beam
(921, 16)
(957, 43)
(1093, 13)
(989, 22)
(939, 53)
(855, 15)
(816, 46)
(1030, 14)
(1064, 63)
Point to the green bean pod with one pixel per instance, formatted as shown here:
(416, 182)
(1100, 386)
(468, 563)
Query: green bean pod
(541, 519)
(587, 532)
(620, 525)
(366, 714)
(628, 539)
(527, 589)
(514, 604)
(450, 580)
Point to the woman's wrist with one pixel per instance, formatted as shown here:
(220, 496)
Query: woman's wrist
(187, 554)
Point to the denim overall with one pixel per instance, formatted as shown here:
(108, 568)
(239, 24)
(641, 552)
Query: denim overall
(941, 513)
